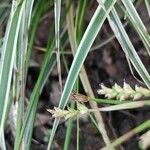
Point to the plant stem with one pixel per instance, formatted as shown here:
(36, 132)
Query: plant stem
(128, 135)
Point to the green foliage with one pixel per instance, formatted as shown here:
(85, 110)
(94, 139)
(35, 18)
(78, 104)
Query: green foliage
(16, 47)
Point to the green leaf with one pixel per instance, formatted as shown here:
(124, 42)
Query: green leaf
(137, 23)
(57, 8)
(127, 46)
(82, 51)
(147, 2)
(7, 60)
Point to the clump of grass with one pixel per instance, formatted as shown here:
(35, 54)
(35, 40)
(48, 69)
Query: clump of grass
(16, 48)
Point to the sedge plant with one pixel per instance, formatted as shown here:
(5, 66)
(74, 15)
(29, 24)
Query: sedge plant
(19, 21)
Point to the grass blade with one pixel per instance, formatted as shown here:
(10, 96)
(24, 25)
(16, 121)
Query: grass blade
(38, 8)
(137, 23)
(4, 10)
(80, 19)
(30, 115)
(82, 51)
(20, 63)
(49, 62)
(127, 46)
(147, 2)
(57, 37)
(83, 75)
(7, 60)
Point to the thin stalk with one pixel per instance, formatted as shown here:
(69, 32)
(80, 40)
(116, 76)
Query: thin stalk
(79, 22)
(57, 7)
(33, 28)
(69, 131)
(83, 74)
(108, 101)
(78, 133)
(70, 122)
(130, 105)
(128, 135)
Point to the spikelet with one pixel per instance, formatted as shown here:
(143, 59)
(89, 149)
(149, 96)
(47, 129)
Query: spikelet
(69, 113)
(125, 92)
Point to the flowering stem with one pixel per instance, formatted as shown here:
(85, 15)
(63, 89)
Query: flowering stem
(130, 105)
(108, 101)
(78, 133)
